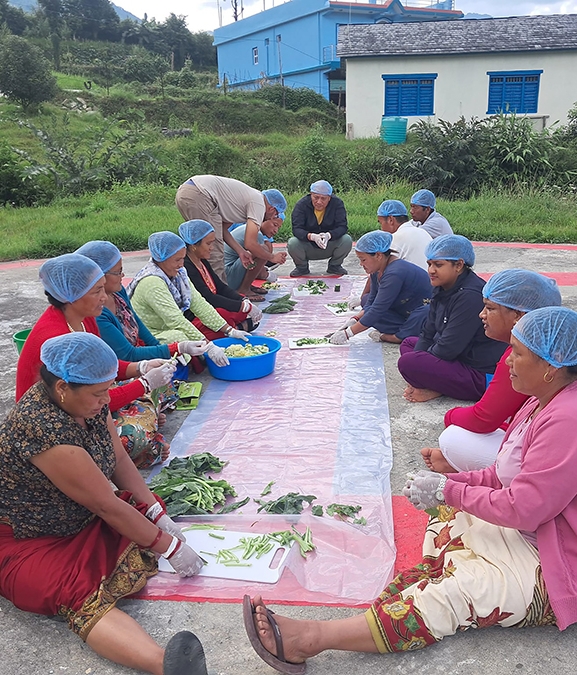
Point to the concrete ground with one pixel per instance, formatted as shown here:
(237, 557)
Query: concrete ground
(32, 645)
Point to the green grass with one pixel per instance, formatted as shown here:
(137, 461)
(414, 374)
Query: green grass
(127, 215)
(76, 82)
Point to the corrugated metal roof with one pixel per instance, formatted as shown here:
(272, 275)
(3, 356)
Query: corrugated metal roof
(520, 33)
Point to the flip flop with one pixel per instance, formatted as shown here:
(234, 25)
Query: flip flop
(259, 290)
(184, 654)
(277, 662)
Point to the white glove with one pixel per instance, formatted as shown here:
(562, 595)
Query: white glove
(318, 240)
(326, 236)
(255, 314)
(354, 301)
(341, 337)
(183, 559)
(246, 305)
(375, 335)
(193, 347)
(349, 322)
(238, 334)
(425, 489)
(159, 376)
(217, 355)
(160, 518)
(145, 366)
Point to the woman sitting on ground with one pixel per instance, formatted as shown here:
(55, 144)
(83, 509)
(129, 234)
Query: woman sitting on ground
(235, 309)
(398, 301)
(167, 303)
(474, 435)
(502, 547)
(74, 286)
(120, 327)
(452, 356)
(69, 544)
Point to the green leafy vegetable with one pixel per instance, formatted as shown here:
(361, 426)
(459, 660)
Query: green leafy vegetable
(313, 286)
(229, 508)
(268, 489)
(317, 510)
(289, 503)
(311, 341)
(344, 511)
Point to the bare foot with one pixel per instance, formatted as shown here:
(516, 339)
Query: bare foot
(296, 635)
(165, 454)
(421, 395)
(393, 339)
(408, 393)
(435, 461)
(161, 419)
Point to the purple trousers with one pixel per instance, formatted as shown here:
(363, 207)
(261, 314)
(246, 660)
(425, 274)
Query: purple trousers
(422, 370)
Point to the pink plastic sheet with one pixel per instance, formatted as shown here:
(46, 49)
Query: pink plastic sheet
(318, 425)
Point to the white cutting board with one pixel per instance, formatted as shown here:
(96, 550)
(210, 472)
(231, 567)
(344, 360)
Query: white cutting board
(337, 312)
(292, 343)
(260, 569)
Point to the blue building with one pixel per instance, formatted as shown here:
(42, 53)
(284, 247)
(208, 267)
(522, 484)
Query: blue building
(295, 43)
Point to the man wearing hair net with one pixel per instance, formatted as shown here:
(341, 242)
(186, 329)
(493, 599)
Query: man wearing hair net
(409, 241)
(222, 202)
(423, 213)
(320, 231)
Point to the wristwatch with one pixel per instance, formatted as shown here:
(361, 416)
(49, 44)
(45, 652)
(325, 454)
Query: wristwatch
(439, 494)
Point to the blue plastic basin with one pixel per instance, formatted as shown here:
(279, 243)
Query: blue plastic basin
(246, 367)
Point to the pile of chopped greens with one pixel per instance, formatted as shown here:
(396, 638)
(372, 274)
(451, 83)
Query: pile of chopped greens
(313, 286)
(241, 351)
(340, 307)
(293, 503)
(311, 341)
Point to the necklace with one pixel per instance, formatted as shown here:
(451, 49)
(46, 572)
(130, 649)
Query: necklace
(72, 329)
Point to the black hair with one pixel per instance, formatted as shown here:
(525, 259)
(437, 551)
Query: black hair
(54, 302)
(50, 379)
(572, 371)
(401, 219)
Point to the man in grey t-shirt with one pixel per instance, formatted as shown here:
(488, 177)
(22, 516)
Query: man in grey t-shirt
(423, 213)
(223, 201)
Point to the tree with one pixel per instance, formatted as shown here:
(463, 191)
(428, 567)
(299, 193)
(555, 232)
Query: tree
(25, 74)
(13, 17)
(92, 19)
(52, 10)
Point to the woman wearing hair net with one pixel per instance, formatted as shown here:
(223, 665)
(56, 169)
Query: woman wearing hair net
(236, 310)
(70, 544)
(398, 300)
(474, 435)
(75, 288)
(501, 547)
(452, 356)
(162, 295)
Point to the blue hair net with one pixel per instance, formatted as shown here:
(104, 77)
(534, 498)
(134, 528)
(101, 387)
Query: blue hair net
(374, 242)
(104, 253)
(82, 358)
(522, 290)
(451, 247)
(276, 199)
(551, 333)
(162, 245)
(392, 207)
(68, 277)
(424, 198)
(322, 187)
(194, 230)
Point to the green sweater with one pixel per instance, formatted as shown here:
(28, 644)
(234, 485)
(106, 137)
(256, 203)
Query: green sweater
(155, 305)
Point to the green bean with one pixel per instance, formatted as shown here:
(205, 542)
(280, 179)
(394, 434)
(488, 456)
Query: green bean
(215, 536)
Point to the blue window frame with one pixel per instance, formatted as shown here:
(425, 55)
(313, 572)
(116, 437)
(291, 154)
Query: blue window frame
(410, 94)
(515, 91)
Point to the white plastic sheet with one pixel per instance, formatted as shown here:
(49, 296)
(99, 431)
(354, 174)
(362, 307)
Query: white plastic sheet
(318, 425)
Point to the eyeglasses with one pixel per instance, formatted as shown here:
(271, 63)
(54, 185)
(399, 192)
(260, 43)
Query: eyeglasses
(116, 274)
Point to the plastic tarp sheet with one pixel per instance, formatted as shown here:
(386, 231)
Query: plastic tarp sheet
(319, 424)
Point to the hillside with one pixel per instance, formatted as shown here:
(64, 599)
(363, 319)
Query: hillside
(30, 6)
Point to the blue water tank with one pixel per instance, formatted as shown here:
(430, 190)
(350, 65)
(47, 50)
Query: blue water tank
(393, 130)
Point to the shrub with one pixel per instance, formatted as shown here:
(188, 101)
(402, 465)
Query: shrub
(25, 75)
(318, 159)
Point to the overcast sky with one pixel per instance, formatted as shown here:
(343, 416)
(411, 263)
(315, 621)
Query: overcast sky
(203, 14)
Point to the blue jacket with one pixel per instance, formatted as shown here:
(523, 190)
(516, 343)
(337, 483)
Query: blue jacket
(454, 331)
(111, 332)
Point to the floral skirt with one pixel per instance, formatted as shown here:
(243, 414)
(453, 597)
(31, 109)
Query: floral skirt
(79, 577)
(472, 575)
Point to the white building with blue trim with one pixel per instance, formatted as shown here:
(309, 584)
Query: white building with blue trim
(471, 68)
(295, 43)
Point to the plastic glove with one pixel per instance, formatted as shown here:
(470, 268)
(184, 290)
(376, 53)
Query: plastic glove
(318, 240)
(217, 355)
(145, 366)
(255, 314)
(158, 377)
(238, 334)
(375, 335)
(185, 561)
(193, 347)
(326, 238)
(425, 489)
(160, 518)
(349, 322)
(246, 305)
(355, 301)
(339, 338)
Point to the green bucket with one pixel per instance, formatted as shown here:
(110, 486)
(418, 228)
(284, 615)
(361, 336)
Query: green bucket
(19, 338)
